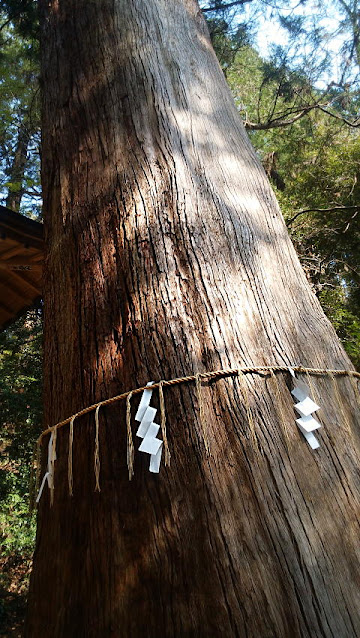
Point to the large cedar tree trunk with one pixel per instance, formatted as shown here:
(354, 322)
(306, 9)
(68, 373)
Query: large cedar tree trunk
(167, 255)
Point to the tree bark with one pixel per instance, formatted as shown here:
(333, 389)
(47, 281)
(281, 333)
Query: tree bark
(167, 255)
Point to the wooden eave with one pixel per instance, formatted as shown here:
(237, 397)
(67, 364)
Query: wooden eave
(21, 264)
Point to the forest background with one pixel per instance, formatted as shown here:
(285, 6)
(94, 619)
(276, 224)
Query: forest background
(294, 72)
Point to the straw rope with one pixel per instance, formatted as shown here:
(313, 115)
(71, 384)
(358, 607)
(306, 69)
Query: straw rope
(163, 423)
(97, 451)
(313, 390)
(249, 416)
(130, 443)
(51, 479)
(70, 457)
(201, 413)
(355, 386)
(279, 407)
(197, 378)
(216, 374)
(315, 395)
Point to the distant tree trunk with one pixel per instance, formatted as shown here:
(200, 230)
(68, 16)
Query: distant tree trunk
(167, 255)
(17, 168)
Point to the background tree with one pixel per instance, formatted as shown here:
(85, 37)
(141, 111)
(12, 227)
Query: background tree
(20, 122)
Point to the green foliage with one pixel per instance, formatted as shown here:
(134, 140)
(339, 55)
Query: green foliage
(226, 41)
(24, 15)
(20, 118)
(345, 322)
(21, 410)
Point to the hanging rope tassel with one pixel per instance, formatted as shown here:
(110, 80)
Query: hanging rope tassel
(70, 456)
(167, 454)
(279, 406)
(315, 395)
(354, 383)
(52, 466)
(251, 424)
(201, 413)
(339, 401)
(313, 391)
(97, 453)
(130, 444)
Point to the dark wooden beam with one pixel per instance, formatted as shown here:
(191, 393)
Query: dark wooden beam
(21, 264)
(17, 277)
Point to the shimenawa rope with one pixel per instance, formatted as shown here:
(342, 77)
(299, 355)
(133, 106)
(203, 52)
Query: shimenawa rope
(197, 378)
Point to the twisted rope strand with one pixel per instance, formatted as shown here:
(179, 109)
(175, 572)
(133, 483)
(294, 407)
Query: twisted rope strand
(163, 423)
(355, 386)
(97, 453)
(130, 444)
(315, 396)
(201, 413)
(279, 407)
(52, 466)
(249, 416)
(70, 457)
(265, 370)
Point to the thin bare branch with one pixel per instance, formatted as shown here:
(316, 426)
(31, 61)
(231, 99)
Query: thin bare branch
(354, 124)
(224, 6)
(320, 210)
(277, 123)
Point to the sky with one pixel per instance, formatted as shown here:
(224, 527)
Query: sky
(271, 33)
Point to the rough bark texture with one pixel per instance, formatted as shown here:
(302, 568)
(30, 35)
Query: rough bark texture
(167, 255)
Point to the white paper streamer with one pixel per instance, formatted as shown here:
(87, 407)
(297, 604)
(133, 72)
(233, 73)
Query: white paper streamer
(305, 407)
(144, 402)
(151, 445)
(155, 460)
(148, 431)
(312, 440)
(308, 423)
(146, 421)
